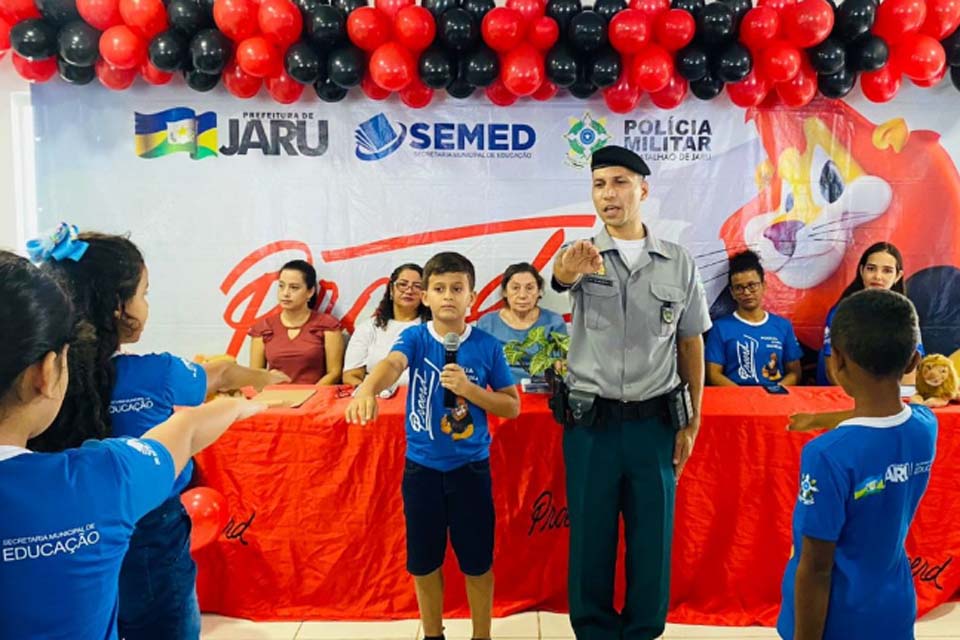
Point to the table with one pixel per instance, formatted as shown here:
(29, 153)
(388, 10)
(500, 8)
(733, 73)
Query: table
(316, 528)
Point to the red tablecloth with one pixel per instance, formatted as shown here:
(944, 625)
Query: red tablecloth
(316, 528)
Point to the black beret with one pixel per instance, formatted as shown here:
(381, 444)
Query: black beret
(614, 156)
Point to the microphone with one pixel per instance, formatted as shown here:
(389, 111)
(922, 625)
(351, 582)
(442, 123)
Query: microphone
(451, 343)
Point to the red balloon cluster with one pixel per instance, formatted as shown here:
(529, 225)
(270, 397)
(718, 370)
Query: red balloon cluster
(521, 33)
(128, 26)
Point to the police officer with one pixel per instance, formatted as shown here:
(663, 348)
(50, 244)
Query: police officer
(636, 347)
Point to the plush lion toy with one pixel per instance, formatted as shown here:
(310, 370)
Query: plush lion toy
(936, 381)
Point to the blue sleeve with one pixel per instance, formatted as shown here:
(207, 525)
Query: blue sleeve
(792, 351)
(141, 476)
(822, 500)
(826, 334)
(713, 348)
(406, 344)
(500, 375)
(557, 325)
(186, 382)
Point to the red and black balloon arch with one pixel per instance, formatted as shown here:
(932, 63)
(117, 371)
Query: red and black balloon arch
(778, 52)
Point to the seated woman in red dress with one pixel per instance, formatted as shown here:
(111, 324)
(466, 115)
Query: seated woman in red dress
(300, 341)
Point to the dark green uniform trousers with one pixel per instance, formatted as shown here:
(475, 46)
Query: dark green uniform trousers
(618, 467)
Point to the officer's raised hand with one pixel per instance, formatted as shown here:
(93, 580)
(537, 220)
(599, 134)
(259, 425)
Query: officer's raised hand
(579, 258)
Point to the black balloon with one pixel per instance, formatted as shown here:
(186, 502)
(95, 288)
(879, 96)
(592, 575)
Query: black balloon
(458, 30)
(706, 88)
(827, 57)
(692, 62)
(604, 69)
(716, 24)
(690, 6)
(345, 67)
(438, 7)
(481, 67)
(460, 89)
(307, 6)
(326, 26)
(329, 91)
(582, 88)
(733, 63)
(739, 7)
(951, 44)
(562, 11)
(304, 64)
(478, 9)
(207, 7)
(210, 51)
(609, 8)
(869, 53)
(561, 66)
(837, 85)
(955, 77)
(168, 51)
(34, 39)
(187, 17)
(587, 31)
(347, 6)
(75, 75)
(854, 19)
(58, 12)
(437, 67)
(79, 44)
(199, 81)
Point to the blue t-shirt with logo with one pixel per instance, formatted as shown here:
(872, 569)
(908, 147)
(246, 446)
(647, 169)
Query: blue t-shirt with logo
(826, 350)
(860, 485)
(438, 437)
(753, 353)
(147, 389)
(66, 525)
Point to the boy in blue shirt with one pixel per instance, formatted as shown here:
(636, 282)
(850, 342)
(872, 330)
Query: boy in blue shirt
(751, 346)
(860, 485)
(446, 479)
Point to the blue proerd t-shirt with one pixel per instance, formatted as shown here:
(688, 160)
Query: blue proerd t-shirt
(147, 389)
(66, 525)
(437, 437)
(752, 353)
(860, 486)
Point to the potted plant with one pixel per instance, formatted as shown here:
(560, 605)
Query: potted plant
(548, 351)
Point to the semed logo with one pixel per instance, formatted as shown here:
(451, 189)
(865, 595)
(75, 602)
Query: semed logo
(376, 138)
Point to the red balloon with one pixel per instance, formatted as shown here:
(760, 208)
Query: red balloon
(372, 90)
(629, 31)
(153, 75)
(392, 67)
(943, 18)
(502, 29)
(35, 70)
(236, 18)
(919, 56)
(623, 96)
(529, 10)
(258, 58)
(122, 48)
(113, 78)
(100, 14)
(390, 8)
(13, 11)
(801, 89)
(652, 68)
(931, 82)
(368, 28)
(414, 28)
(522, 70)
(776, 5)
(881, 85)
(416, 95)
(240, 83)
(808, 23)
(759, 27)
(499, 94)
(780, 61)
(671, 95)
(207, 509)
(543, 33)
(280, 22)
(4, 37)
(283, 88)
(146, 17)
(546, 91)
(898, 18)
(674, 29)
(750, 91)
(651, 8)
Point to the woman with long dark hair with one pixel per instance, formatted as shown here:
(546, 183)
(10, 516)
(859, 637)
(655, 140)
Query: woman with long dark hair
(400, 307)
(304, 343)
(69, 516)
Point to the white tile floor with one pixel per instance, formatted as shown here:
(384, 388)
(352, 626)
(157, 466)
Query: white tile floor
(939, 624)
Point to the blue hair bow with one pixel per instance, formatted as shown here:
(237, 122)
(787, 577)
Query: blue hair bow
(62, 243)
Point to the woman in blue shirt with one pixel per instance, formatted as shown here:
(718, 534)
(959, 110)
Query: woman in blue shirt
(521, 288)
(68, 517)
(112, 394)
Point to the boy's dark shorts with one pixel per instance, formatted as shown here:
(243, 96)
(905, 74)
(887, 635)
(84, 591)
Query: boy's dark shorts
(460, 500)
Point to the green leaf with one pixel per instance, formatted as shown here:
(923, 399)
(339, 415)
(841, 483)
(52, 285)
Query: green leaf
(540, 362)
(536, 338)
(514, 352)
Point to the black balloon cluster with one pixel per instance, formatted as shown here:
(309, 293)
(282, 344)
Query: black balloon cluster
(458, 60)
(850, 50)
(582, 60)
(59, 35)
(715, 57)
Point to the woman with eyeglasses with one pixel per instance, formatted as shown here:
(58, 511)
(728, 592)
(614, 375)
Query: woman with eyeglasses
(401, 307)
(751, 347)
